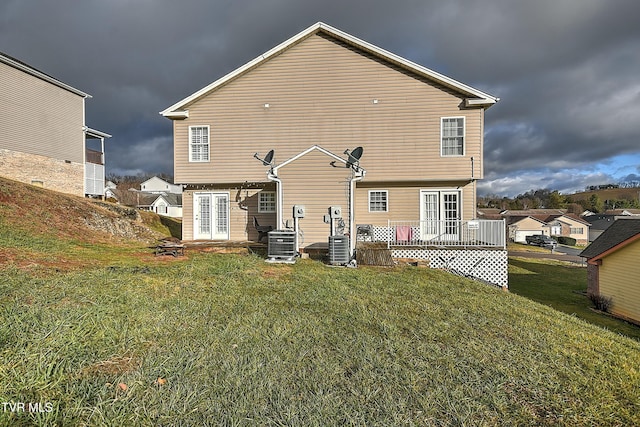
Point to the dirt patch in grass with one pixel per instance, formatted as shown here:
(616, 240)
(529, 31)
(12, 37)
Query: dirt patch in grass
(117, 365)
(276, 272)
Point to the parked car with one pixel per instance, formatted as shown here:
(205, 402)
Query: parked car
(541, 240)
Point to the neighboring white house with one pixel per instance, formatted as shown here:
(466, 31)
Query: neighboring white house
(109, 190)
(166, 204)
(159, 196)
(157, 185)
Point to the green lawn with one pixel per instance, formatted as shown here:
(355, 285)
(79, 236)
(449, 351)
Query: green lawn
(231, 340)
(562, 286)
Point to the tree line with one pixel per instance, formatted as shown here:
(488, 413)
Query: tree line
(552, 199)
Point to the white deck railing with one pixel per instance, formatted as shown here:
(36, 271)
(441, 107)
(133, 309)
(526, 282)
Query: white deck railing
(447, 233)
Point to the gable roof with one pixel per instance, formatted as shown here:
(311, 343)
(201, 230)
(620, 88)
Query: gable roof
(475, 96)
(600, 221)
(22, 66)
(534, 212)
(619, 234)
(512, 220)
(148, 199)
(572, 217)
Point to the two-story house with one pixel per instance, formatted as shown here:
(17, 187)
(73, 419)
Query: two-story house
(44, 140)
(312, 100)
(161, 197)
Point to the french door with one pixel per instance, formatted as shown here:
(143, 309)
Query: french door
(211, 216)
(440, 215)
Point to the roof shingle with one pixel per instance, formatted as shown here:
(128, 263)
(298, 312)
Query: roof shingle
(620, 231)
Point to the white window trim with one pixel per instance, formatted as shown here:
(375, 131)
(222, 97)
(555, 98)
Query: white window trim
(464, 136)
(387, 200)
(275, 202)
(208, 144)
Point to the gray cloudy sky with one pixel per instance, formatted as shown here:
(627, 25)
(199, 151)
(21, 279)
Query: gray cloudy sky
(567, 71)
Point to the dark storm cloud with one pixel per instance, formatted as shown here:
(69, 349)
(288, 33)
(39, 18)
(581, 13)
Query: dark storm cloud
(566, 71)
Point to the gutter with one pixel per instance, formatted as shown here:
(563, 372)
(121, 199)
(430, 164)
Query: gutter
(279, 198)
(358, 176)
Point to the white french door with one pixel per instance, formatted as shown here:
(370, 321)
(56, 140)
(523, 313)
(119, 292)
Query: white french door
(211, 216)
(440, 214)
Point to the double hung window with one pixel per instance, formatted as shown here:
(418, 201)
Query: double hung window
(452, 136)
(267, 201)
(378, 201)
(199, 143)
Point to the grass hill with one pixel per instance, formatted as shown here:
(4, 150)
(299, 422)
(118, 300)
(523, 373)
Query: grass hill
(119, 337)
(44, 229)
(609, 194)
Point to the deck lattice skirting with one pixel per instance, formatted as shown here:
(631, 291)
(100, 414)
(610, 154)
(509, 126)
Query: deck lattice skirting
(489, 265)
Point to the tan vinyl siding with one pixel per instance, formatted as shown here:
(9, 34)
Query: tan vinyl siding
(581, 238)
(39, 117)
(618, 277)
(404, 201)
(243, 206)
(311, 181)
(321, 92)
(187, 215)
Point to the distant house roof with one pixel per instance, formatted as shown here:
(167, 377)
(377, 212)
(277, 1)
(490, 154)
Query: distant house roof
(542, 215)
(626, 212)
(511, 220)
(489, 213)
(147, 199)
(573, 217)
(22, 66)
(533, 212)
(475, 96)
(619, 234)
(600, 221)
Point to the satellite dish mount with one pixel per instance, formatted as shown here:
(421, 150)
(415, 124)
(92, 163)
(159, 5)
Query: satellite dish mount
(353, 159)
(268, 159)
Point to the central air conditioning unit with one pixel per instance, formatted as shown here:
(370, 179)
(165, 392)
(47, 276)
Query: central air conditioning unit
(339, 250)
(281, 246)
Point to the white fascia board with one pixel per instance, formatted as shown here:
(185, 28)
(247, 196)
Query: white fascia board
(175, 115)
(96, 133)
(480, 102)
(484, 98)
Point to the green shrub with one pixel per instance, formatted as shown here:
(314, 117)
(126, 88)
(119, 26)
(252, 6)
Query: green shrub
(569, 241)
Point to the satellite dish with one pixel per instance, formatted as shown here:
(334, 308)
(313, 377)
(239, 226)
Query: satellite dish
(354, 156)
(268, 159)
(353, 159)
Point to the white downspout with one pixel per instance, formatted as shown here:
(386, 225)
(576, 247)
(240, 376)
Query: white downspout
(274, 178)
(359, 176)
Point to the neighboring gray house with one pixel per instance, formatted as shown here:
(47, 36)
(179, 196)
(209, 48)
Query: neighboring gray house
(43, 134)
